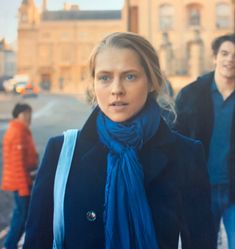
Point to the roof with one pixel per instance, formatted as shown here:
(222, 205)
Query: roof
(62, 15)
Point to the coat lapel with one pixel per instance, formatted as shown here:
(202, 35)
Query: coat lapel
(88, 137)
(153, 156)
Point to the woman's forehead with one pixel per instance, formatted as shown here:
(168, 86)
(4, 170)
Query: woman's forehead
(114, 57)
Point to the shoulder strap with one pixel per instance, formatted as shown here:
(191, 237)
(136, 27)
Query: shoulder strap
(61, 177)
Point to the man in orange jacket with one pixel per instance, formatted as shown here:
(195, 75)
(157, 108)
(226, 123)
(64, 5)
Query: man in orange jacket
(20, 159)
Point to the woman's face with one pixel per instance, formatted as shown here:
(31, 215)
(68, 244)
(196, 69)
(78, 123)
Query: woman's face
(120, 83)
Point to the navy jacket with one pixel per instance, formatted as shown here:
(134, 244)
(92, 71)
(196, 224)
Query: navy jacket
(195, 118)
(176, 184)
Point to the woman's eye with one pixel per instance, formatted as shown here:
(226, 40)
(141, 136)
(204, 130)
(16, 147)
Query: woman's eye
(103, 78)
(130, 76)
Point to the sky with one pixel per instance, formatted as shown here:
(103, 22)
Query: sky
(9, 12)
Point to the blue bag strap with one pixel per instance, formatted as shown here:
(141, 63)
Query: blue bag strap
(61, 177)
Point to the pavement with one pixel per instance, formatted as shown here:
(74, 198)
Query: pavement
(7, 102)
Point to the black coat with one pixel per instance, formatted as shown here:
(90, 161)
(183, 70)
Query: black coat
(176, 184)
(195, 118)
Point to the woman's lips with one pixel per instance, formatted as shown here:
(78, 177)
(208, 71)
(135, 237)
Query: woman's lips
(118, 105)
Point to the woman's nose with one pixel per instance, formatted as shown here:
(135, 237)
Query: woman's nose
(117, 87)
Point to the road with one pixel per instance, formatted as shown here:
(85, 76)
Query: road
(52, 114)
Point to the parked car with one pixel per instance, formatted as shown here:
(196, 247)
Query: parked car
(19, 86)
(15, 83)
(25, 89)
(29, 90)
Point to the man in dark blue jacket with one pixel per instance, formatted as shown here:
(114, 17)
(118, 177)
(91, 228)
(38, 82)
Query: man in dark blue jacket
(206, 111)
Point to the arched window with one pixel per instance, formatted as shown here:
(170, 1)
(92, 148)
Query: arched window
(222, 15)
(193, 15)
(166, 13)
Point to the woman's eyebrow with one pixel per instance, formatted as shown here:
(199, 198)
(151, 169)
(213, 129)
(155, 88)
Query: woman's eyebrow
(102, 71)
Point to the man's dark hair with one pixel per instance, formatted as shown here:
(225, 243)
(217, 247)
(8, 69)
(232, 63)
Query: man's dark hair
(221, 39)
(20, 107)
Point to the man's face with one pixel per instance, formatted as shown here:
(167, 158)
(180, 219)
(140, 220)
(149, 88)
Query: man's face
(225, 61)
(25, 117)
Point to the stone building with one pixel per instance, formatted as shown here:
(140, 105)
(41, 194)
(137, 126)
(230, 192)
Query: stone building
(7, 60)
(53, 46)
(183, 30)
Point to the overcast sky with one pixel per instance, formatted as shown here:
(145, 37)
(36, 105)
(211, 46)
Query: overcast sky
(9, 11)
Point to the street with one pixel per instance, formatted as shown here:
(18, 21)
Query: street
(52, 114)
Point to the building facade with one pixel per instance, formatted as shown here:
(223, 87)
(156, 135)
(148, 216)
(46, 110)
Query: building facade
(183, 30)
(7, 60)
(53, 46)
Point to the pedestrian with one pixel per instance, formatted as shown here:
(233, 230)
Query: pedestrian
(19, 161)
(133, 183)
(206, 111)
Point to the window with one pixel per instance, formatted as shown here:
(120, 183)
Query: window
(222, 15)
(166, 13)
(194, 15)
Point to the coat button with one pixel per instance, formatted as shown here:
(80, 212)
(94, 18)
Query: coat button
(91, 215)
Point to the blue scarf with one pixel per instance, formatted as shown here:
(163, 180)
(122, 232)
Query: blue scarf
(127, 215)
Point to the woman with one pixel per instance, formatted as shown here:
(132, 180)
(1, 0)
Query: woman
(133, 183)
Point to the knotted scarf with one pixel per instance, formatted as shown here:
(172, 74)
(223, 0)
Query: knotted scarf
(127, 215)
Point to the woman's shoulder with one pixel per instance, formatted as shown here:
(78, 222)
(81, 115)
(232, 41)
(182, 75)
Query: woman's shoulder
(185, 140)
(190, 152)
(55, 140)
(55, 144)
(187, 149)
(174, 139)
(53, 147)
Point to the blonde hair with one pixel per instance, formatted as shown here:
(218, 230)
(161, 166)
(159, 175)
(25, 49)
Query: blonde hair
(148, 59)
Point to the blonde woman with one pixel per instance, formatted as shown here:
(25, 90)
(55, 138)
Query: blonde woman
(132, 182)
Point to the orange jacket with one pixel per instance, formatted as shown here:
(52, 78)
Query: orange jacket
(19, 157)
